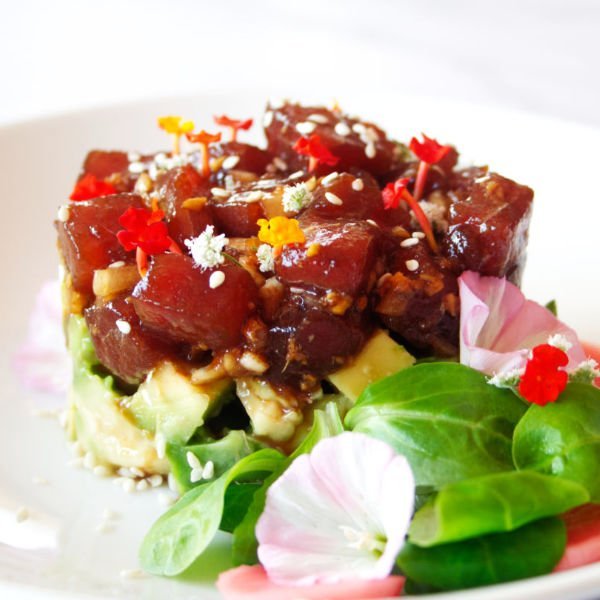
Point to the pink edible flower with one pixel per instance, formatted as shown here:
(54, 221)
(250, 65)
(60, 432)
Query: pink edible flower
(42, 363)
(499, 327)
(340, 513)
(253, 583)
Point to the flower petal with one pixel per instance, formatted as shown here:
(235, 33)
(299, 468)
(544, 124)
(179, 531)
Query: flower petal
(499, 326)
(341, 512)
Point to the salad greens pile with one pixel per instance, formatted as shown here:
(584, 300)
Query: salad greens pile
(493, 474)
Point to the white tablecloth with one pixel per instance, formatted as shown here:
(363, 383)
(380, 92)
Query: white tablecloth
(537, 55)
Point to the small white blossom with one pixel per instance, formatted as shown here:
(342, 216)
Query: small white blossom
(436, 214)
(560, 341)
(586, 372)
(295, 197)
(506, 379)
(266, 260)
(207, 248)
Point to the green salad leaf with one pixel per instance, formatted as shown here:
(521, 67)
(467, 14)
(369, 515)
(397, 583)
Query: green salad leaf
(563, 438)
(529, 551)
(326, 423)
(182, 533)
(492, 504)
(445, 418)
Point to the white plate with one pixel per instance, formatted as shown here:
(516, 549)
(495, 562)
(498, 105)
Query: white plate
(39, 162)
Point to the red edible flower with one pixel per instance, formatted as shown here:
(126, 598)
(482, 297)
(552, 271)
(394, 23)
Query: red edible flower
(89, 186)
(394, 192)
(234, 125)
(544, 379)
(316, 151)
(429, 152)
(146, 233)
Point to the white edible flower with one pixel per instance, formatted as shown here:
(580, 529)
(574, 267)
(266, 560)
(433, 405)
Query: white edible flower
(337, 514)
(560, 341)
(506, 379)
(207, 248)
(586, 372)
(295, 197)
(266, 260)
(436, 214)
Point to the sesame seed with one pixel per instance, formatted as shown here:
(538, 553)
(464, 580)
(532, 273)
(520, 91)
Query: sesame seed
(254, 196)
(142, 485)
(128, 485)
(219, 192)
(196, 475)
(409, 242)
(371, 222)
(359, 128)
(342, 129)
(230, 162)
(155, 480)
(333, 199)
(296, 290)
(209, 470)
(123, 326)
(153, 171)
(329, 178)
(101, 471)
(193, 461)
(419, 235)
(268, 118)
(166, 499)
(358, 185)
(104, 527)
(412, 265)
(133, 156)
(36, 480)
(22, 514)
(64, 212)
(216, 279)
(317, 118)
(160, 159)
(296, 175)
(370, 150)
(117, 264)
(306, 127)
(137, 167)
(131, 574)
(280, 163)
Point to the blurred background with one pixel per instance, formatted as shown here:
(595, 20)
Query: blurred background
(534, 55)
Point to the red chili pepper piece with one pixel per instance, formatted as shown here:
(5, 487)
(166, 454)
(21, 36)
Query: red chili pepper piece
(234, 125)
(544, 379)
(89, 186)
(316, 151)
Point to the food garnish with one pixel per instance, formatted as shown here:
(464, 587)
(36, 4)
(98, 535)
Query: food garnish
(204, 139)
(176, 127)
(234, 125)
(429, 152)
(280, 231)
(317, 152)
(90, 186)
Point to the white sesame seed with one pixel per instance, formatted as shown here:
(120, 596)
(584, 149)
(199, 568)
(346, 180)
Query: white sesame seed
(142, 485)
(155, 480)
(153, 171)
(342, 129)
(306, 127)
(133, 156)
(412, 265)
(268, 118)
(220, 192)
(280, 163)
(64, 212)
(172, 483)
(296, 290)
(117, 264)
(36, 480)
(166, 499)
(196, 475)
(128, 485)
(123, 326)
(192, 460)
(370, 150)
(132, 574)
(254, 196)
(160, 441)
(89, 460)
(371, 222)
(230, 162)
(101, 471)
(22, 514)
(216, 279)
(409, 242)
(358, 185)
(104, 527)
(329, 178)
(419, 235)
(296, 175)
(317, 118)
(333, 199)
(137, 167)
(160, 159)
(359, 128)
(110, 515)
(209, 470)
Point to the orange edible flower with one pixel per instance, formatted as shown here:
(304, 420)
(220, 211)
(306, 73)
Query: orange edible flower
(89, 186)
(176, 127)
(234, 125)
(316, 151)
(280, 231)
(429, 152)
(204, 139)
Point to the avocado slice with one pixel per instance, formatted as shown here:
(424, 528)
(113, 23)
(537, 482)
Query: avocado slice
(380, 357)
(123, 430)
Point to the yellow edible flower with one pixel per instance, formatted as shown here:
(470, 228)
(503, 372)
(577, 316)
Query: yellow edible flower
(176, 127)
(280, 231)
